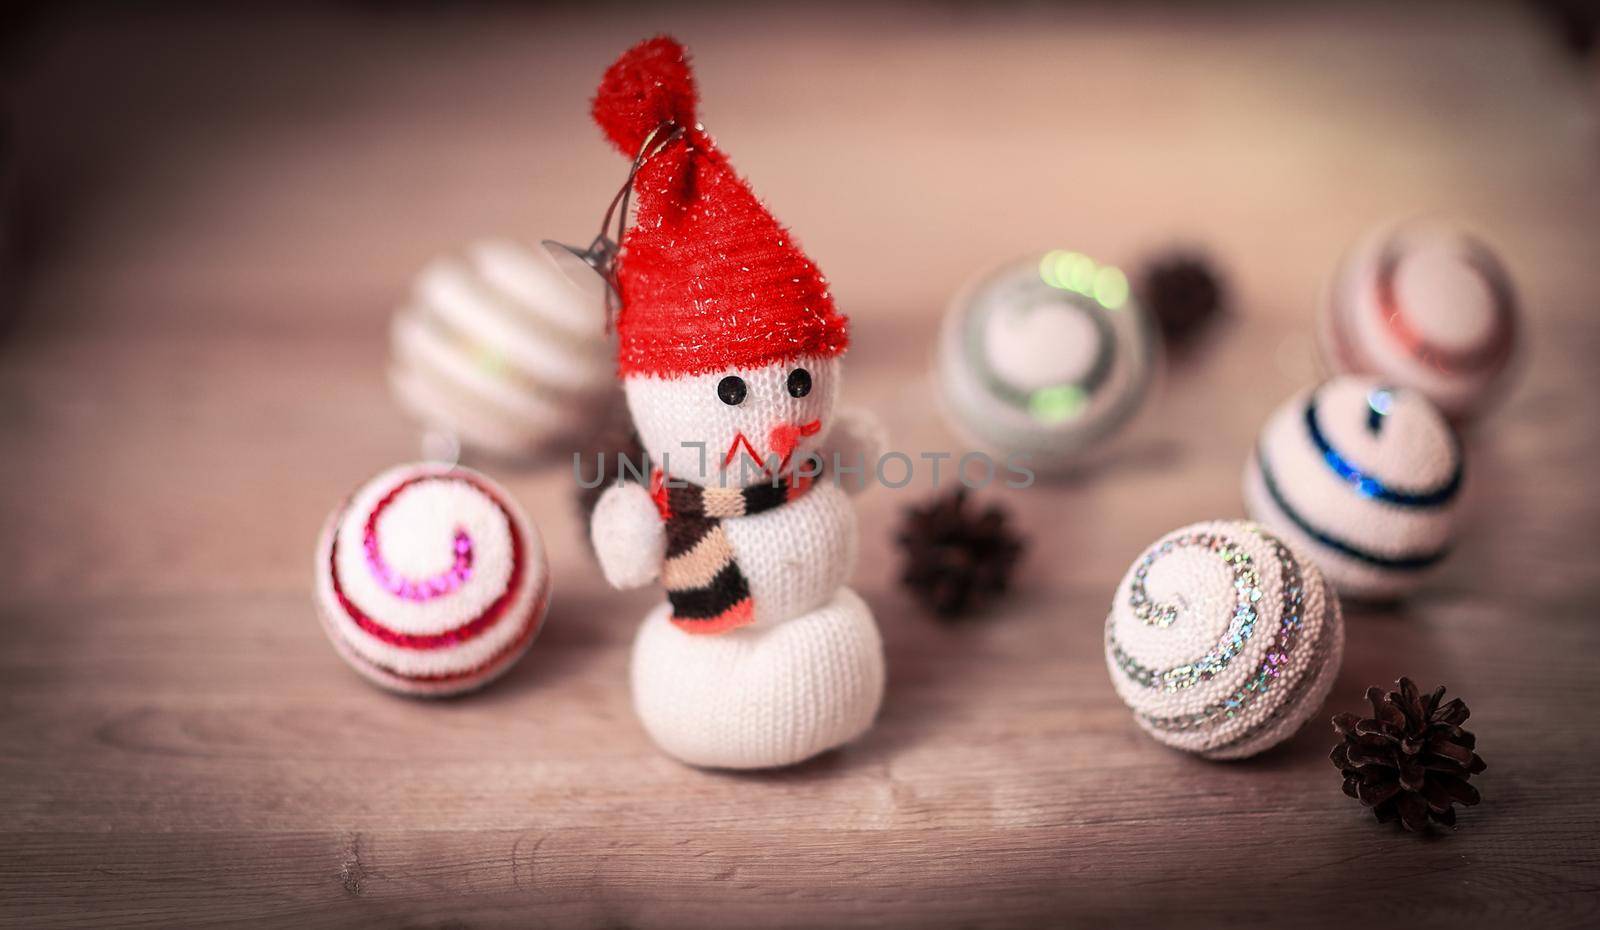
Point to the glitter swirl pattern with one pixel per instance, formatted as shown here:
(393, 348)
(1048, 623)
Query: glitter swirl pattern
(473, 627)
(1272, 664)
(425, 589)
(440, 629)
(1241, 626)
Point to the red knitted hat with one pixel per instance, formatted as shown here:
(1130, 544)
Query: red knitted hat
(709, 279)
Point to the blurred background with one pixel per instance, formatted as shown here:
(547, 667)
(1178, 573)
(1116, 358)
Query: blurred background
(270, 141)
(205, 208)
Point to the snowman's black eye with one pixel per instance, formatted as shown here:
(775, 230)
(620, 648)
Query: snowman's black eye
(799, 382)
(731, 389)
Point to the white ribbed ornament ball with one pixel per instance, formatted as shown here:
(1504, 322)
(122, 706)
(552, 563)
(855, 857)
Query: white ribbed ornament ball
(430, 580)
(1223, 639)
(1424, 306)
(1049, 357)
(1363, 477)
(505, 348)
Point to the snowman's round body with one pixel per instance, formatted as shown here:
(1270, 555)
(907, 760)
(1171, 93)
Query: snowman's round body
(761, 696)
(805, 675)
(796, 557)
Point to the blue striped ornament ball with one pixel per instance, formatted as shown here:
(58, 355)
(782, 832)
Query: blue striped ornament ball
(1363, 477)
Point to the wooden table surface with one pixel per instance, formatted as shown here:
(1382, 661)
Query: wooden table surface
(217, 215)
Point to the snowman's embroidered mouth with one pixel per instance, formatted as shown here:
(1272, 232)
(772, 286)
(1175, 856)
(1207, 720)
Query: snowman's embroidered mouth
(784, 439)
(741, 441)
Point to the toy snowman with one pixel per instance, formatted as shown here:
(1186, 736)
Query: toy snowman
(729, 346)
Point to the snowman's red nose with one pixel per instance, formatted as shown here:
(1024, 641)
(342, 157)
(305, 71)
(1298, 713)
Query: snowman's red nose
(785, 436)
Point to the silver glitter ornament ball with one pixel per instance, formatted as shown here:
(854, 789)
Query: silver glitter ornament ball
(1048, 358)
(1362, 476)
(1427, 307)
(1223, 639)
(505, 349)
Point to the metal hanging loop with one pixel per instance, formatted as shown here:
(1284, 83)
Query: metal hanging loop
(601, 253)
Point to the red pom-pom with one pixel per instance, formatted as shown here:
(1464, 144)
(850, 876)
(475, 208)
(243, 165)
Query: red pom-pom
(650, 84)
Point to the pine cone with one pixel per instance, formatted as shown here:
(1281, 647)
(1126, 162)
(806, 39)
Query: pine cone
(956, 561)
(1183, 293)
(1410, 760)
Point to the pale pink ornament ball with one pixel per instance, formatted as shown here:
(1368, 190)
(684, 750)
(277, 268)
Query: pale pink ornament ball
(1425, 306)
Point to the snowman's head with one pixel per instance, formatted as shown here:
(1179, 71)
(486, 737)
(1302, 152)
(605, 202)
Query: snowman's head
(737, 426)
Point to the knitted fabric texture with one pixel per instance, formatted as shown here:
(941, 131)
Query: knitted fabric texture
(708, 278)
(1222, 639)
(1365, 479)
(503, 349)
(430, 580)
(696, 436)
(763, 695)
(1425, 307)
(708, 592)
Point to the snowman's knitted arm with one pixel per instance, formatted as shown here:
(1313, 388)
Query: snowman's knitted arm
(856, 439)
(629, 538)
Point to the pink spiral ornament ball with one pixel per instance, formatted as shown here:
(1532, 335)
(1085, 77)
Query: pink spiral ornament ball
(431, 580)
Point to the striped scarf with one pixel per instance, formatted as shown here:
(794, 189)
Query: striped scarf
(708, 592)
